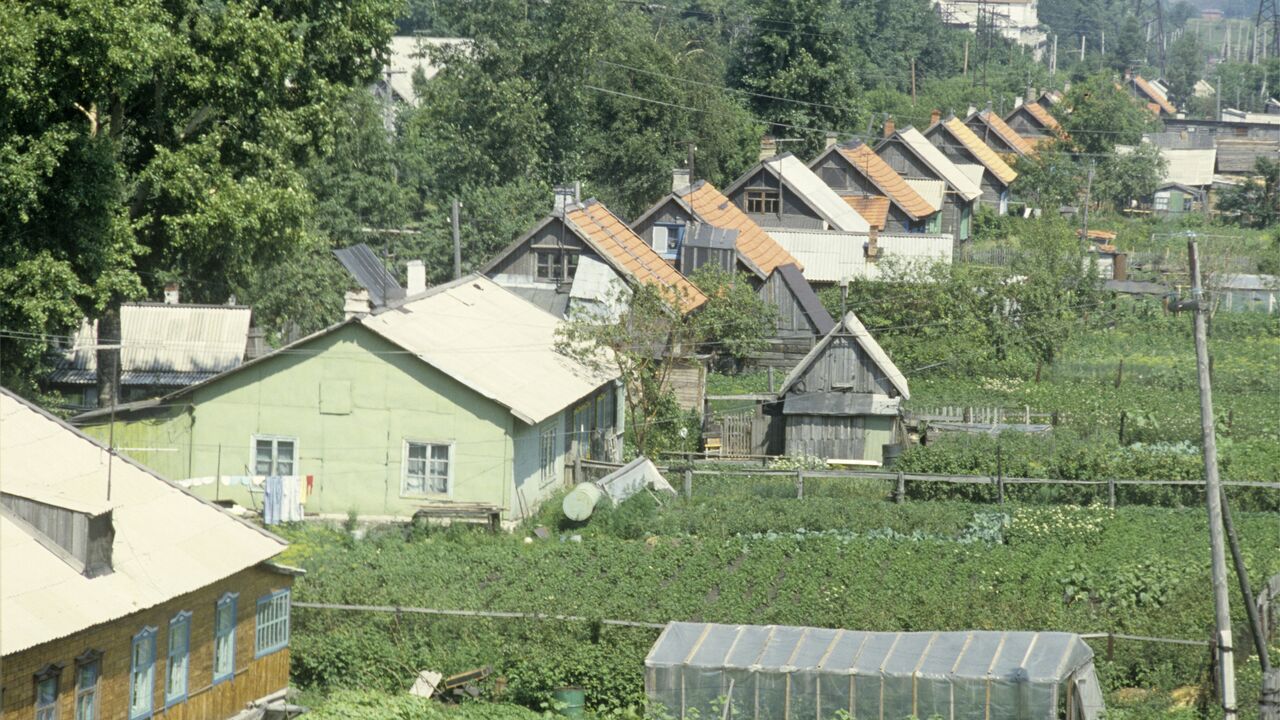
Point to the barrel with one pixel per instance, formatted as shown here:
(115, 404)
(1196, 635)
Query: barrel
(569, 701)
(581, 501)
(891, 453)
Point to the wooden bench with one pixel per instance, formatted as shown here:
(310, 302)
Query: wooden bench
(489, 514)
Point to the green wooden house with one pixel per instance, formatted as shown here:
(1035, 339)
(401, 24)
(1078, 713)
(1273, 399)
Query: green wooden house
(452, 396)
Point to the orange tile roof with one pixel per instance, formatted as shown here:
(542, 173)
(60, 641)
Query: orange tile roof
(980, 150)
(1162, 102)
(629, 253)
(1006, 133)
(871, 165)
(875, 208)
(754, 244)
(1042, 116)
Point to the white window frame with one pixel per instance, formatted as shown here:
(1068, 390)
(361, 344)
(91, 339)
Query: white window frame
(659, 234)
(178, 665)
(275, 451)
(404, 469)
(86, 700)
(227, 600)
(274, 631)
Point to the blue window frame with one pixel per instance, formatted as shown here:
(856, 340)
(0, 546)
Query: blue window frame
(224, 638)
(176, 670)
(272, 628)
(142, 674)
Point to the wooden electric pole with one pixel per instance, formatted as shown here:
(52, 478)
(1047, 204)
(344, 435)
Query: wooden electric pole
(1213, 494)
(457, 240)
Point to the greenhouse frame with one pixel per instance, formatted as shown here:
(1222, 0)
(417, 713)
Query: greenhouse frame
(775, 672)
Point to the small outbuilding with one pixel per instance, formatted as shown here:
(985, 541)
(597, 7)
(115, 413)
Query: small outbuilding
(785, 673)
(843, 401)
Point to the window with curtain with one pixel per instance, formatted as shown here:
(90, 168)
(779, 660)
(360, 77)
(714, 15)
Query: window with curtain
(175, 678)
(47, 692)
(273, 455)
(88, 673)
(224, 638)
(426, 469)
(142, 673)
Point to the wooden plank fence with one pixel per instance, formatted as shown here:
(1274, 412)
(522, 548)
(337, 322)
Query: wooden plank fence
(982, 415)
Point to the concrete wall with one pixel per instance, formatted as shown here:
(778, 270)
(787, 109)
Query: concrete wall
(253, 678)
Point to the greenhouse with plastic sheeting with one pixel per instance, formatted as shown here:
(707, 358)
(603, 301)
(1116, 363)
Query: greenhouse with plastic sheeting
(773, 672)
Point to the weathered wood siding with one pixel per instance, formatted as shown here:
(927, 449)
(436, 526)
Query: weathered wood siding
(840, 175)
(791, 321)
(794, 212)
(844, 367)
(522, 261)
(908, 165)
(951, 148)
(1025, 125)
(830, 437)
(253, 678)
(688, 381)
(670, 212)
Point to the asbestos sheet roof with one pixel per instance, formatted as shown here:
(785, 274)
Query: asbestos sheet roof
(492, 341)
(628, 253)
(371, 272)
(1042, 116)
(932, 191)
(797, 176)
(875, 208)
(183, 341)
(167, 542)
(831, 257)
(874, 168)
(973, 172)
(933, 157)
(983, 655)
(1001, 129)
(755, 246)
(851, 326)
(1190, 167)
(983, 152)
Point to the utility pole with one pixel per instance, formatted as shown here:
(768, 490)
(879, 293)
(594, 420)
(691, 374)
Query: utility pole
(966, 58)
(1088, 190)
(913, 81)
(457, 241)
(1213, 494)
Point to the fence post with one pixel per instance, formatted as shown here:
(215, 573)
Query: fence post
(1111, 493)
(1026, 414)
(1120, 373)
(1270, 706)
(799, 484)
(688, 482)
(901, 495)
(1123, 416)
(999, 476)
(770, 378)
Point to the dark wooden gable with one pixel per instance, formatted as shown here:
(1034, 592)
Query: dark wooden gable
(904, 160)
(799, 312)
(519, 259)
(793, 210)
(843, 366)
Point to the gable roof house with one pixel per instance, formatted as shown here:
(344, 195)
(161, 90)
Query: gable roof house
(163, 347)
(680, 225)
(913, 157)
(997, 134)
(782, 192)
(843, 401)
(960, 145)
(122, 595)
(867, 183)
(455, 396)
(1034, 122)
(579, 255)
(1151, 94)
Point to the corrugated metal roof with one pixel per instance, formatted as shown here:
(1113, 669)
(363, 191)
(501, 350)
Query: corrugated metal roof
(1190, 167)
(807, 298)
(875, 208)
(177, 340)
(865, 161)
(629, 253)
(973, 172)
(492, 341)
(933, 157)
(933, 191)
(372, 274)
(797, 176)
(832, 257)
(1230, 114)
(167, 542)
(755, 246)
(1247, 281)
(851, 326)
(980, 150)
(1002, 130)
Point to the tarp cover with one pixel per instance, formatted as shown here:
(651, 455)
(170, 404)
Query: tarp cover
(769, 672)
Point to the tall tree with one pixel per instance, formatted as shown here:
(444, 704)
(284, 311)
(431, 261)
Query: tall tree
(1100, 115)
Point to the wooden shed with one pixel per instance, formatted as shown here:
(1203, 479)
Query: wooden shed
(844, 400)
(800, 320)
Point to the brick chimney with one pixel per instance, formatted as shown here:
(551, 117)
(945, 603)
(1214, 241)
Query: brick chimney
(889, 127)
(171, 293)
(680, 179)
(934, 117)
(873, 245)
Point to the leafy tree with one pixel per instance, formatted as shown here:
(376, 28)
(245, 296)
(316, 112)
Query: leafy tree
(1098, 116)
(1256, 201)
(1049, 179)
(1128, 46)
(735, 321)
(1185, 66)
(1121, 178)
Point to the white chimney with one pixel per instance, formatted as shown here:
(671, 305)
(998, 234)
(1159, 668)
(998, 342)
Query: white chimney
(171, 294)
(417, 278)
(355, 304)
(564, 196)
(831, 140)
(1017, 101)
(680, 179)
